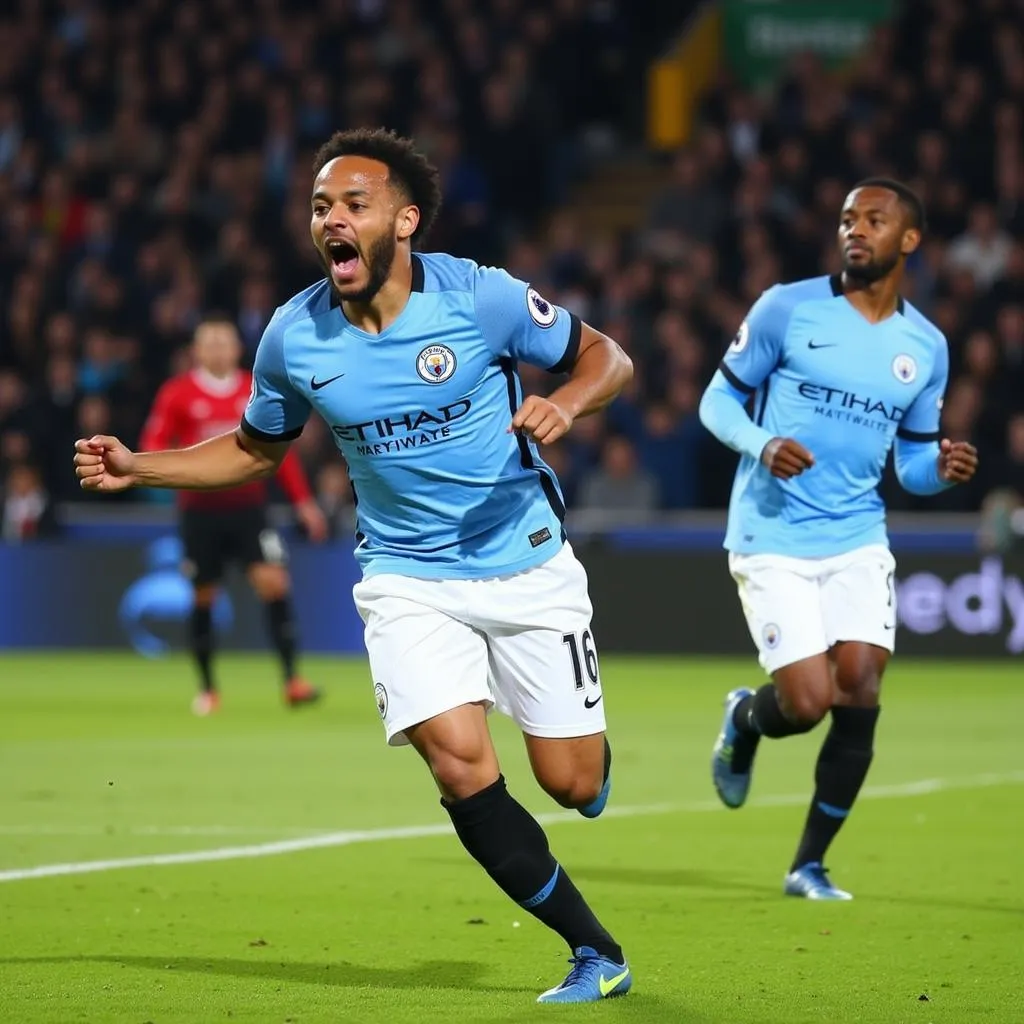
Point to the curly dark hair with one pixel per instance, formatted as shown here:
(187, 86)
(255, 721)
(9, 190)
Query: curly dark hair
(909, 199)
(409, 170)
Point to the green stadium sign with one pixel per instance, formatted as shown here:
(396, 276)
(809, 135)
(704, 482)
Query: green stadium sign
(762, 35)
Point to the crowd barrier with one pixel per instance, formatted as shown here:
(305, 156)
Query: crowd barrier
(656, 589)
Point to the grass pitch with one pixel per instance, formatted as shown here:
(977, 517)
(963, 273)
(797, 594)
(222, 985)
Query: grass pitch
(273, 866)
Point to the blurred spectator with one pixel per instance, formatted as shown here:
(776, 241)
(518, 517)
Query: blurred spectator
(1011, 473)
(255, 308)
(334, 496)
(619, 483)
(668, 445)
(1002, 524)
(690, 204)
(100, 368)
(12, 401)
(983, 249)
(27, 510)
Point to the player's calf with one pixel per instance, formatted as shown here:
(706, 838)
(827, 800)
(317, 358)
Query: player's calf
(777, 711)
(574, 772)
(510, 845)
(598, 804)
(796, 700)
(498, 832)
(848, 750)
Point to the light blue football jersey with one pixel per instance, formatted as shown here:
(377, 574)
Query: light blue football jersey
(817, 371)
(421, 414)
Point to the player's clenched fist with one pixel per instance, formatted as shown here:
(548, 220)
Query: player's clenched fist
(545, 421)
(102, 463)
(958, 461)
(786, 458)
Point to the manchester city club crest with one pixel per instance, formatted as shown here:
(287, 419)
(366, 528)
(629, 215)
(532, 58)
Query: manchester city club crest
(904, 368)
(771, 636)
(382, 699)
(435, 364)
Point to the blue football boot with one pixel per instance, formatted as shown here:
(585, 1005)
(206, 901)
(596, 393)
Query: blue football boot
(812, 883)
(732, 786)
(593, 977)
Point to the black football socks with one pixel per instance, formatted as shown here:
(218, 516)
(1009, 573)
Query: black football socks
(842, 767)
(281, 624)
(201, 629)
(510, 845)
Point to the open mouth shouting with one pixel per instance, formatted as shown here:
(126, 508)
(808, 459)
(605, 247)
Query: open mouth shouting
(342, 260)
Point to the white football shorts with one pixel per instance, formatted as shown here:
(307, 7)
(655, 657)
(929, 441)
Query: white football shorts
(521, 643)
(798, 607)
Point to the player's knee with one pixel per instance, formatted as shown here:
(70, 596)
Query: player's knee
(861, 689)
(571, 788)
(858, 674)
(806, 707)
(460, 777)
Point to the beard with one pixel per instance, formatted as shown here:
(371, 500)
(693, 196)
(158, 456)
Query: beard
(868, 273)
(378, 261)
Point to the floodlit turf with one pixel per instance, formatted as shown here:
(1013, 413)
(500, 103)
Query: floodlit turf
(100, 760)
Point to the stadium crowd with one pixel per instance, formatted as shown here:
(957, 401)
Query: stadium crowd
(155, 164)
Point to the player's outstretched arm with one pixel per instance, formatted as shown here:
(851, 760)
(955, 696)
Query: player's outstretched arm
(103, 463)
(601, 370)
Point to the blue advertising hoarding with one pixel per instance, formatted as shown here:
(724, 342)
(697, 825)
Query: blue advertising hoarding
(653, 591)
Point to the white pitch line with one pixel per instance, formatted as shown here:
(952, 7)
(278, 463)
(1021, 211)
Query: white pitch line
(917, 787)
(159, 830)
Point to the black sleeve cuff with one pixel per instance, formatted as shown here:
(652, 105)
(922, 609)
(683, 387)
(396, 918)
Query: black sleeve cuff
(568, 360)
(913, 435)
(261, 435)
(734, 380)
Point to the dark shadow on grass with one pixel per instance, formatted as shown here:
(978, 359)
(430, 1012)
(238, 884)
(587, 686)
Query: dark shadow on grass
(690, 881)
(671, 878)
(437, 974)
(638, 1006)
(445, 974)
(1013, 909)
(668, 878)
(676, 878)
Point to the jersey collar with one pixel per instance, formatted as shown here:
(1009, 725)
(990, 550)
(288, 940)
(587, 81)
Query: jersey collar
(836, 284)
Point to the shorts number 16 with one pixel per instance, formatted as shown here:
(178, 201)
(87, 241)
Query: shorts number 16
(589, 659)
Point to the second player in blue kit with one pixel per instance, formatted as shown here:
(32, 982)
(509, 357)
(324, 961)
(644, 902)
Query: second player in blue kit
(823, 379)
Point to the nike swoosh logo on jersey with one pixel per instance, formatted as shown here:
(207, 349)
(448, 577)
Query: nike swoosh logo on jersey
(588, 703)
(316, 385)
(611, 983)
(827, 344)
